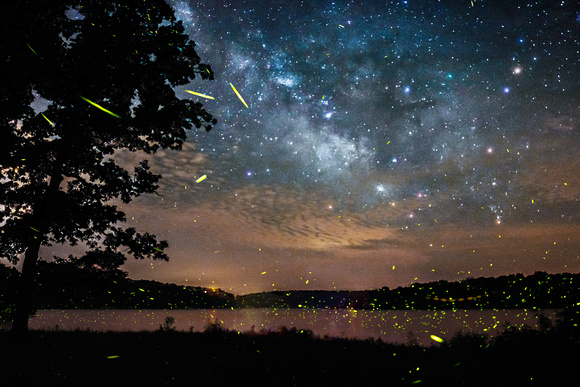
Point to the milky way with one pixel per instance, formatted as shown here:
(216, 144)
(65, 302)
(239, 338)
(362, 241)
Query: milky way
(370, 102)
(390, 127)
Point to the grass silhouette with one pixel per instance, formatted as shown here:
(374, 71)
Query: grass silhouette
(288, 357)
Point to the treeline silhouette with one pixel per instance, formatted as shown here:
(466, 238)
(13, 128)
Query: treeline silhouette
(514, 291)
(67, 285)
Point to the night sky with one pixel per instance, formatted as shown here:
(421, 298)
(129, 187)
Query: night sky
(384, 143)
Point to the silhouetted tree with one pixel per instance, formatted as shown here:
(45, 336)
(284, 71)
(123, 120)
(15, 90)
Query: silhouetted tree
(107, 70)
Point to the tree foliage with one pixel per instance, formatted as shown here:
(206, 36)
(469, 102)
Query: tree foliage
(106, 71)
(125, 57)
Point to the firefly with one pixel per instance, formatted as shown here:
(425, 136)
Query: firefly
(201, 179)
(436, 338)
(199, 94)
(32, 49)
(239, 96)
(49, 121)
(100, 107)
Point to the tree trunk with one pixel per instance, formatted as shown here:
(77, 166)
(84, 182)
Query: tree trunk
(27, 291)
(27, 287)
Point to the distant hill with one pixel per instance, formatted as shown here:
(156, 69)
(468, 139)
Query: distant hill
(64, 286)
(130, 294)
(540, 290)
(69, 287)
(332, 299)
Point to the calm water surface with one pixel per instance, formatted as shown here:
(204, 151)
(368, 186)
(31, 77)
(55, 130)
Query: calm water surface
(390, 326)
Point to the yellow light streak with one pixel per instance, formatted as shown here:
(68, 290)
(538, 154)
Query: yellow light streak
(201, 179)
(32, 49)
(100, 107)
(199, 94)
(49, 121)
(436, 338)
(239, 96)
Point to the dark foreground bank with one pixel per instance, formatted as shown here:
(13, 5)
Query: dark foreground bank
(218, 357)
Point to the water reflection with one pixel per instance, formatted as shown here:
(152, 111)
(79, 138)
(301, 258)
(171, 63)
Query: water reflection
(390, 326)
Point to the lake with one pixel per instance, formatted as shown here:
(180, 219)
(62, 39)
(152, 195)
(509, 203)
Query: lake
(391, 326)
